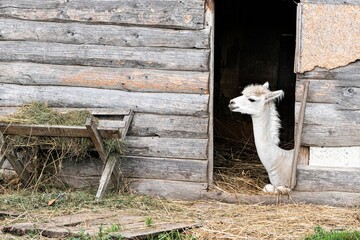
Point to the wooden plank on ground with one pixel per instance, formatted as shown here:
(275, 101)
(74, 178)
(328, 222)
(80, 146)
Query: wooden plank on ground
(105, 56)
(327, 125)
(332, 198)
(124, 36)
(314, 178)
(88, 224)
(171, 13)
(127, 79)
(79, 97)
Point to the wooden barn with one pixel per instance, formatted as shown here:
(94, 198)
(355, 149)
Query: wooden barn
(176, 63)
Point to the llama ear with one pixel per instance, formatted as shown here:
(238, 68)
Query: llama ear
(266, 85)
(271, 96)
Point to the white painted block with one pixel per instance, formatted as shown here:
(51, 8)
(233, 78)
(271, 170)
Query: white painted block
(335, 156)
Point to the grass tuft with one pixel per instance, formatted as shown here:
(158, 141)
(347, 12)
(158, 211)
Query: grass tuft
(321, 234)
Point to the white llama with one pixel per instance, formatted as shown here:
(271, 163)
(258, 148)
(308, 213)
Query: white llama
(258, 101)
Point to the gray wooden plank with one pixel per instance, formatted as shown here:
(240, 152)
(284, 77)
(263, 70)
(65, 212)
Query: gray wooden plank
(326, 125)
(106, 175)
(332, 198)
(170, 13)
(127, 79)
(314, 178)
(167, 147)
(343, 93)
(166, 169)
(169, 126)
(57, 96)
(176, 190)
(105, 56)
(83, 174)
(124, 36)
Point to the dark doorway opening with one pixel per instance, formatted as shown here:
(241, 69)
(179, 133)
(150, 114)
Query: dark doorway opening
(254, 43)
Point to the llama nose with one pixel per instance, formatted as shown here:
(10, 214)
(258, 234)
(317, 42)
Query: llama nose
(232, 102)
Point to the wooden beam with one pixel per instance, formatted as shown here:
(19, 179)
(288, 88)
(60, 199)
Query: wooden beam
(105, 56)
(123, 36)
(314, 178)
(80, 97)
(126, 79)
(105, 176)
(298, 134)
(155, 13)
(96, 138)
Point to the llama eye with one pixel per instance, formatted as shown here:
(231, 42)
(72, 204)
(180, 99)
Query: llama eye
(252, 100)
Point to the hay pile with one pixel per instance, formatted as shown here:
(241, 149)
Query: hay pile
(43, 156)
(237, 168)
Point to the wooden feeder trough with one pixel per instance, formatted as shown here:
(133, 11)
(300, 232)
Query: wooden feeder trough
(112, 123)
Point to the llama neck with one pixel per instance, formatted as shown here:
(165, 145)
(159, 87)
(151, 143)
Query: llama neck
(266, 126)
(266, 133)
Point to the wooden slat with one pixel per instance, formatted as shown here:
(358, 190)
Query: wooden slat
(313, 178)
(170, 13)
(85, 174)
(169, 189)
(96, 138)
(105, 56)
(160, 103)
(332, 198)
(106, 175)
(124, 36)
(167, 147)
(54, 131)
(127, 79)
(343, 93)
(166, 169)
(169, 126)
(326, 125)
(298, 134)
(304, 156)
(143, 124)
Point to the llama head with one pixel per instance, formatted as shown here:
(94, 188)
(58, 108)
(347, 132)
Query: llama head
(254, 99)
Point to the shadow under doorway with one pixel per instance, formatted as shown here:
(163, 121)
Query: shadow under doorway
(254, 43)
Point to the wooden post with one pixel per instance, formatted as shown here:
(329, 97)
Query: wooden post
(105, 176)
(298, 134)
(96, 138)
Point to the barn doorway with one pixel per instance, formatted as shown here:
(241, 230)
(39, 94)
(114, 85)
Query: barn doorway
(254, 43)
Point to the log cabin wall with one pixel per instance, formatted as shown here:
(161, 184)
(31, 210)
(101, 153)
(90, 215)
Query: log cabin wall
(328, 49)
(148, 55)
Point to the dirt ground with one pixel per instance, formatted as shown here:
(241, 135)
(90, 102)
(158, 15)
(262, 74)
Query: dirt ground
(218, 220)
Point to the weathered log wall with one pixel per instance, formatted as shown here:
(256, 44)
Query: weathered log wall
(151, 56)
